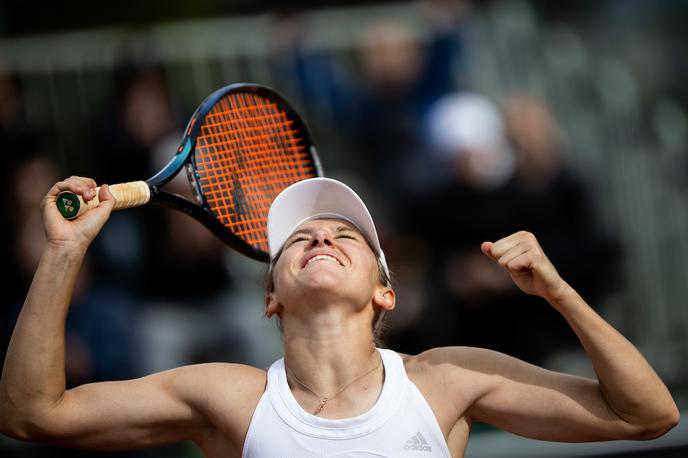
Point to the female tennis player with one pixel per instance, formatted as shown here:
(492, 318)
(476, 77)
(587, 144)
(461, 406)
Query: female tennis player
(334, 393)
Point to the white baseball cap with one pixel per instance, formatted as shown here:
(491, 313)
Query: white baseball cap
(318, 198)
(465, 120)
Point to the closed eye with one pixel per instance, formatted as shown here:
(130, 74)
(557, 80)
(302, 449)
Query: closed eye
(346, 236)
(298, 239)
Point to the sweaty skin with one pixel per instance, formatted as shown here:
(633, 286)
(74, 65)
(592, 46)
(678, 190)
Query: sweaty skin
(326, 308)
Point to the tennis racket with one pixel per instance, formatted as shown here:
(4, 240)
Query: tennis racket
(242, 147)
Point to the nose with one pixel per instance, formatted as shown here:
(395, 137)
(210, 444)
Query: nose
(321, 238)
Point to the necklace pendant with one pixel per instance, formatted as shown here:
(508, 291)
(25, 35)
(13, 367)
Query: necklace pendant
(320, 407)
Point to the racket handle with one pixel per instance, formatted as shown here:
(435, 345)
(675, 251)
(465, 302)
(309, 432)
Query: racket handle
(127, 195)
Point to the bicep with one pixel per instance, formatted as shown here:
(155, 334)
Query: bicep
(540, 404)
(141, 413)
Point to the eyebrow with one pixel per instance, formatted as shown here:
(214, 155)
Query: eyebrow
(345, 228)
(338, 229)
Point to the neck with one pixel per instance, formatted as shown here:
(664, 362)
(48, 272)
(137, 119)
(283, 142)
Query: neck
(327, 352)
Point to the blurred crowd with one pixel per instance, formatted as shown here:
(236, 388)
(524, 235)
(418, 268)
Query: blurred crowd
(442, 166)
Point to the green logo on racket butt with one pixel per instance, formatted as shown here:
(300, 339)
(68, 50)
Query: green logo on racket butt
(68, 204)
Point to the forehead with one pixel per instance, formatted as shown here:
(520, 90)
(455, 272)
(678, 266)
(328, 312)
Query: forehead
(331, 224)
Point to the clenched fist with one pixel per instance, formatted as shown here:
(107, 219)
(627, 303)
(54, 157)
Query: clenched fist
(80, 232)
(521, 255)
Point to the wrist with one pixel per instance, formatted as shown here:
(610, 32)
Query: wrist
(63, 249)
(564, 295)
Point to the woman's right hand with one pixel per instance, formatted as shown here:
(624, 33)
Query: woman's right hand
(79, 232)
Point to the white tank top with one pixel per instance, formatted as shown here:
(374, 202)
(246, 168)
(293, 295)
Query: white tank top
(399, 425)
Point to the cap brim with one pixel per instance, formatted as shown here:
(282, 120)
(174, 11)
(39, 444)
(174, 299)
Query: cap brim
(317, 198)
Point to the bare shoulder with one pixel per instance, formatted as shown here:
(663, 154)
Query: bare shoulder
(225, 394)
(234, 380)
(451, 381)
(465, 371)
(450, 359)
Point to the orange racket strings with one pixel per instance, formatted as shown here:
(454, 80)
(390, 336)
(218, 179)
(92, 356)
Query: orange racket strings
(247, 152)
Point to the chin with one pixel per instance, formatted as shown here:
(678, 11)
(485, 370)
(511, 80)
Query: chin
(322, 282)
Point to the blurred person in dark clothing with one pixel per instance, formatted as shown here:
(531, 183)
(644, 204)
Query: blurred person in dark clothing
(160, 252)
(121, 150)
(142, 117)
(380, 102)
(493, 186)
(100, 338)
(466, 137)
(557, 203)
(136, 143)
(19, 143)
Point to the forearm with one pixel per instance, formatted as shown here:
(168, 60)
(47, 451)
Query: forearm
(33, 377)
(627, 381)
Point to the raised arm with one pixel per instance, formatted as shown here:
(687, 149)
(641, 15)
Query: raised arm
(151, 411)
(627, 401)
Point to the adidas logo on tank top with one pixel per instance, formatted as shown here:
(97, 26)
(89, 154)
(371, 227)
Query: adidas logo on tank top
(417, 442)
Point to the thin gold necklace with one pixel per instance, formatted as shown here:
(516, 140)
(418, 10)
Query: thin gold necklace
(324, 399)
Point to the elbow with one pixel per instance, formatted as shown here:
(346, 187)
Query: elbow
(17, 425)
(22, 430)
(9, 424)
(12, 426)
(669, 421)
(657, 428)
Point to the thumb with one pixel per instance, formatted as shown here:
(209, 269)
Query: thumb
(105, 204)
(486, 248)
(106, 198)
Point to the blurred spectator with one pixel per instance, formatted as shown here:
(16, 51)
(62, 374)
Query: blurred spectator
(121, 149)
(379, 104)
(495, 188)
(19, 145)
(174, 263)
(100, 339)
(556, 203)
(188, 285)
(143, 117)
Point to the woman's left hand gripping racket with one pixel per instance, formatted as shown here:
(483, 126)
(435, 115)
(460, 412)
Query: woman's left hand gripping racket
(242, 147)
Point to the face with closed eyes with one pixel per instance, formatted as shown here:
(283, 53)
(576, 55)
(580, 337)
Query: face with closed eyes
(327, 260)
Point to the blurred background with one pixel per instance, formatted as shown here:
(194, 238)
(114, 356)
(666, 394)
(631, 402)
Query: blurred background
(457, 122)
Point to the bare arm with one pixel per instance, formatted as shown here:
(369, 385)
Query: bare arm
(628, 401)
(34, 404)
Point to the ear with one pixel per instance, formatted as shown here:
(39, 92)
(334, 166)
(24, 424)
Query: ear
(385, 298)
(272, 305)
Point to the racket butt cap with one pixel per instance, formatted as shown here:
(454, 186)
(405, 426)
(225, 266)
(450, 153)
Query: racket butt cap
(127, 195)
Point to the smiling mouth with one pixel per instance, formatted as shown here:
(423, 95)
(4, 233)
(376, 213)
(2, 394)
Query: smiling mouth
(322, 257)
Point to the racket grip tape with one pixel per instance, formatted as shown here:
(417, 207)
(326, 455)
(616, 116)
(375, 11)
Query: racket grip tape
(127, 195)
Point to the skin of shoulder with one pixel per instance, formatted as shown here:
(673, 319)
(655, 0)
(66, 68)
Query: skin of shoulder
(226, 394)
(449, 373)
(449, 385)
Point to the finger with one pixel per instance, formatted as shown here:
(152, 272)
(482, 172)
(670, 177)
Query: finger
(521, 262)
(512, 254)
(82, 186)
(501, 246)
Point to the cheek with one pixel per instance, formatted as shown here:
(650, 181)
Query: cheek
(368, 273)
(278, 274)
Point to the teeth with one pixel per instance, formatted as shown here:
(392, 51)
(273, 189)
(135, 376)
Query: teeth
(322, 257)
